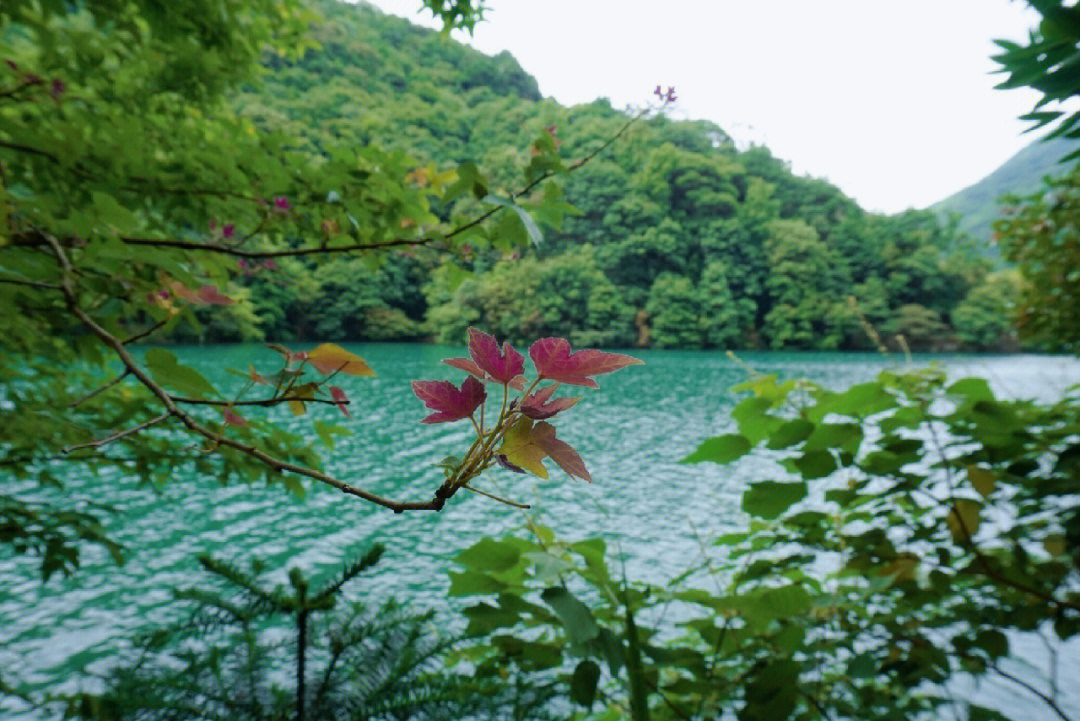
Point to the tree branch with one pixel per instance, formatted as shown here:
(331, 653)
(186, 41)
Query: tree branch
(118, 435)
(262, 402)
(1045, 698)
(492, 496)
(102, 389)
(446, 490)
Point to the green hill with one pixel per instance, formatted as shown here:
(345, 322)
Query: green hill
(682, 240)
(976, 207)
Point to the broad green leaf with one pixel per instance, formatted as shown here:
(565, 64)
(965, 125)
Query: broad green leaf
(720, 449)
(790, 433)
(470, 583)
(973, 389)
(834, 435)
(526, 220)
(769, 499)
(487, 554)
(583, 683)
(579, 622)
(815, 464)
(167, 371)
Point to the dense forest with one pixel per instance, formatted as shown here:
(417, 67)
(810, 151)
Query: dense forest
(676, 239)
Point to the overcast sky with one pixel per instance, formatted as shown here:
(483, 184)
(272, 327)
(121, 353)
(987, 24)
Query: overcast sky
(891, 101)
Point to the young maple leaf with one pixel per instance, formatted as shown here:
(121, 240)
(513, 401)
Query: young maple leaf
(539, 405)
(554, 361)
(527, 444)
(488, 363)
(450, 403)
(521, 447)
(560, 452)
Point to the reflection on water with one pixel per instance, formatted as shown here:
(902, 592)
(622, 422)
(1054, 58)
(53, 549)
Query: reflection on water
(630, 433)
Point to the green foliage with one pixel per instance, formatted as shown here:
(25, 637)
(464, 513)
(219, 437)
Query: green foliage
(1040, 234)
(145, 194)
(923, 528)
(456, 125)
(232, 656)
(1047, 64)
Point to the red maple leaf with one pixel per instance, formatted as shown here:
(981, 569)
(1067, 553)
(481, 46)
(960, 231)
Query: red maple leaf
(554, 361)
(340, 399)
(488, 363)
(539, 405)
(450, 403)
(562, 453)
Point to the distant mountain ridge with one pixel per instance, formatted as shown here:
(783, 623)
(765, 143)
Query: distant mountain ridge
(977, 205)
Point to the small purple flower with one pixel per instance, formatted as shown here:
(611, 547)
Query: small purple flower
(269, 264)
(670, 97)
(163, 294)
(282, 203)
(58, 88)
(228, 230)
(242, 263)
(659, 92)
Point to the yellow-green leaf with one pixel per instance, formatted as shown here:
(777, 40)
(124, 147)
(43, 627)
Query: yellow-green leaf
(522, 448)
(330, 358)
(1054, 544)
(963, 520)
(982, 479)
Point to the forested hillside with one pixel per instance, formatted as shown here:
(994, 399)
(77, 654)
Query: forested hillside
(977, 206)
(681, 240)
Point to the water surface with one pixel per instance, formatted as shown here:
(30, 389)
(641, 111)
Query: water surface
(631, 434)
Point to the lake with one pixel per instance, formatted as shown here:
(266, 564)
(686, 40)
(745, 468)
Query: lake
(630, 433)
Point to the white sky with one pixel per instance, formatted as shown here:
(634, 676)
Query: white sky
(892, 101)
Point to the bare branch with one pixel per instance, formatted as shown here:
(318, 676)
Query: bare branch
(446, 490)
(30, 283)
(262, 402)
(500, 499)
(1045, 698)
(142, 334)
(102, 389)
(119, 434)
(287, 253)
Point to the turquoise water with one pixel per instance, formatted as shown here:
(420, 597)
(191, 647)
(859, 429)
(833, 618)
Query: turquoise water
(630, 433)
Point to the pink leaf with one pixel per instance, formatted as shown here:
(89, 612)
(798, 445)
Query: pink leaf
(450, 403)
(554, 361)
(466, 365)
(232, 417)
(255, 377)
(339, 397)
(210, 295)
(563, 455)
(502, 366)
(539, 405)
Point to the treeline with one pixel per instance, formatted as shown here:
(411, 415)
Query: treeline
(680, 239)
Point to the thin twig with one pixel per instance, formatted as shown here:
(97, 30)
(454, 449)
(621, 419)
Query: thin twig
(102, 389)
(30, 283)
(262, 402)
(500, 499)
(142, 334)
(119, 434)
(1049, 701)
